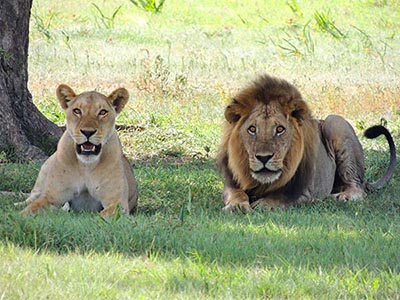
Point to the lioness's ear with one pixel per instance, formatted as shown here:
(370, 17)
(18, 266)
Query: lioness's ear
(65, 94)
(233, 111)
(118, 99)
(299, 110)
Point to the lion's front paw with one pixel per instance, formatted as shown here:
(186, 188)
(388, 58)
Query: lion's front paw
(243, 207)
(268, 203)
(237, 200)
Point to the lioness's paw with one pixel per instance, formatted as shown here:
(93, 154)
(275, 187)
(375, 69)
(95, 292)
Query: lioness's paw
(109, 210)
(28, 211)
(238, 207)
(24, 212)
(32, 209)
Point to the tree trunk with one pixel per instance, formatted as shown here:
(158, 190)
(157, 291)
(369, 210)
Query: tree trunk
(24, 132)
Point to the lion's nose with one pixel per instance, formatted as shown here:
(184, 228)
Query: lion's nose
(264, 158)
(88, 133)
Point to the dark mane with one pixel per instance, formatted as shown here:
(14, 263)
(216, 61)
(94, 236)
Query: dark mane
(266, 89)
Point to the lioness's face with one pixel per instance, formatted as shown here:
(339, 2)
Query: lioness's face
(266, 136)
(90, 119)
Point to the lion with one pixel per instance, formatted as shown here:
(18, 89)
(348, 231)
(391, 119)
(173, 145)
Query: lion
(88, 171)
(275, 154)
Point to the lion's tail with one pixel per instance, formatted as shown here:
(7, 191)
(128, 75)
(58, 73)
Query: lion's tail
(374, 132)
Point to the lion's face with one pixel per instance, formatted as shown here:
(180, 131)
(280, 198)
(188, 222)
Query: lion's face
(264, 140)
(90, 119)
(266, 136)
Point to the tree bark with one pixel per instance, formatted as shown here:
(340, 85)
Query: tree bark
(24, 132)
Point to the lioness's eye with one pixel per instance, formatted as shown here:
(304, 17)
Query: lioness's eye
(103, 112)
(77, 111)
(252, 130)
(280, 130)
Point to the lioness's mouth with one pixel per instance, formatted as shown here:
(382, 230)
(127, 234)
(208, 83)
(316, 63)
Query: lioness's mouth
(88, 148)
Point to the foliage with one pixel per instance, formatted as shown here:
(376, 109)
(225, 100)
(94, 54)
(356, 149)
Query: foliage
(108, 22)
(154, 6)
(326, 24)
(44, 24)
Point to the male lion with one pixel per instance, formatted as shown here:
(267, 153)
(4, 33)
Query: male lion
(274, 154)
(88, 170)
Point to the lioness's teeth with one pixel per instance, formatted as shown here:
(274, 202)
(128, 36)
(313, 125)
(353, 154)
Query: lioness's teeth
(85, 149)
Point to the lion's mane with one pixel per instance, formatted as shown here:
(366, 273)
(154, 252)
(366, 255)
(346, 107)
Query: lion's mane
(299, 158)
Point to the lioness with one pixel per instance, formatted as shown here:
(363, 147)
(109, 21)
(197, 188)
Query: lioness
(88, 170)
(274, 154)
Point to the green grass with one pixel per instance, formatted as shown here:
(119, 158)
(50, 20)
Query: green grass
(181, 66)
(329, 250)
(180, 245)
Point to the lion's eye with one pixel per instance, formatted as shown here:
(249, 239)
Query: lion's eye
(77, 111)
(252, 130)
(103, 112)
(280, 130)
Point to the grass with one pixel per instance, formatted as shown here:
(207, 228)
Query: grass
(181, 66)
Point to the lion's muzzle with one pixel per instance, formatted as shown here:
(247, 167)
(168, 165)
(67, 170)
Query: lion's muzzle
(264, 159)
(266, 172)
(265, 169)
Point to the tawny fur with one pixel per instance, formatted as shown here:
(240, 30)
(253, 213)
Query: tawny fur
(87, 182)
(314, 158)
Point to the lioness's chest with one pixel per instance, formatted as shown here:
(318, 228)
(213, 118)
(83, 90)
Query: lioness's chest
(85, 197)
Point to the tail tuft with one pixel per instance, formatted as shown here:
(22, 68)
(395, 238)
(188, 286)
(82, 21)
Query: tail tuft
(375, 131)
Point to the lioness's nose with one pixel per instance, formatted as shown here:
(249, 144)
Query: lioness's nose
(88, 133)
(264, 158)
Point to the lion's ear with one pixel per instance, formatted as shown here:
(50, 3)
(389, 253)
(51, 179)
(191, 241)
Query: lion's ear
(299, 110)
(65, 94)
(233, 111)
(118, 99)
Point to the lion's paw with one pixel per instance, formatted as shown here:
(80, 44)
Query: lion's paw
(237, 200)
(352, 193)
(238, 207)
(268, 203)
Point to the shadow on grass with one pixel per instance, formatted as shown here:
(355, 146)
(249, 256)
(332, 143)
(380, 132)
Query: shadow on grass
(180, 217)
